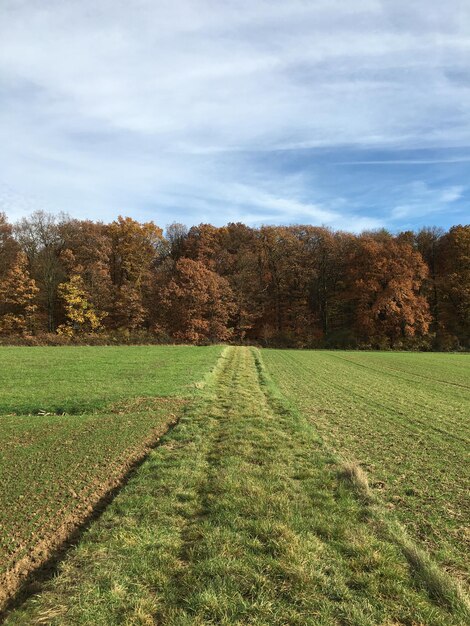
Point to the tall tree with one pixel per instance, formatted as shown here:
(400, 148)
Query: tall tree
(454, 284)
(286, 315)
(9, 248)
(80, 314)
(239, 265)
(203, 244)
(232, 252)
(386, 279)
(323, 260)
(135, 248)
(17, 299)
(87, 252)
(196, 303)
(428, 243)
(40, 238)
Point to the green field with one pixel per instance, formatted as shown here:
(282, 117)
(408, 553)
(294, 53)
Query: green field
(405, 419)
(56, 467)
(82, 379)
(321, 488)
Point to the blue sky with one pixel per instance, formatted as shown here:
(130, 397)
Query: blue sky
(355, 115)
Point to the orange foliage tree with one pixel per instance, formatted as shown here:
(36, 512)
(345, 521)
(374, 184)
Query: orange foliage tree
(196, 303)
(135, 248)
(385, 280)
(88, 253)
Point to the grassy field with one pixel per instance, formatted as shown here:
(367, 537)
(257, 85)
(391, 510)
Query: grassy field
(244, 515)
(55, 468)
(82, 379)
(247, 512)
(404, 418)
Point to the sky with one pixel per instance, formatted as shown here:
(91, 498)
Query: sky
(353, 115)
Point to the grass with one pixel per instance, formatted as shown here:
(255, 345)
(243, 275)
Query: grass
(403, 419)
(55, 468)
(241, 516)
(79, 379)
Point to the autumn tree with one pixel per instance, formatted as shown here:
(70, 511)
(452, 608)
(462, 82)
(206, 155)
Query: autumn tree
(18, 293)
(385, 283)
(128, 310)
(196, 303)
(87, 252)
(238, 262)
(41, 240)
(322, 258)
(454, 284)
(284, 278)
(9, 248)
(135, 248)
(428, 243)
(232, 252)
(80, 314)
(203, 243)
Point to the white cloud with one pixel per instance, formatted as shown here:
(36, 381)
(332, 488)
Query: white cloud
(124, 102)
(409, 161)
(451, 194)
(422, 200)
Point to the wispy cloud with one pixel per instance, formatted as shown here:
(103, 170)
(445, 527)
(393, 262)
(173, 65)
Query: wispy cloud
(177, 107)
(408, 161)
(423, 200)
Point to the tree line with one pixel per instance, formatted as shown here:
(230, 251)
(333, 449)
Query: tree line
(70, 280)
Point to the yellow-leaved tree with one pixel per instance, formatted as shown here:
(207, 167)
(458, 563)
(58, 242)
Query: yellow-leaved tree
(81, 315)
